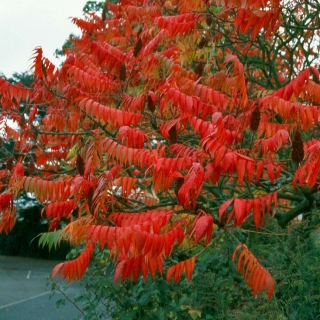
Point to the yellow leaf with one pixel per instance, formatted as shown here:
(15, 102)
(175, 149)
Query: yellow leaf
(195, 314)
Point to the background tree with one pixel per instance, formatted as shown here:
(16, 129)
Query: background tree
(164, 118)
(21, 240)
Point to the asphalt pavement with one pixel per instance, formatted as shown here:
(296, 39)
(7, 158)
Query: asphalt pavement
(24, 294)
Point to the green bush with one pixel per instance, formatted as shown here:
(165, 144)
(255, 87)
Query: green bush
(216, 291)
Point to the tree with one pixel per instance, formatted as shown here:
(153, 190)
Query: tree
(169, 121)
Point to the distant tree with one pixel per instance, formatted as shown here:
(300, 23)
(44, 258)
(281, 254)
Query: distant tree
(7, 152)
(93, 6)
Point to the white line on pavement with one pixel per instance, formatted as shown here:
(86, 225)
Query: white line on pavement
(29, 274)
(24, 300)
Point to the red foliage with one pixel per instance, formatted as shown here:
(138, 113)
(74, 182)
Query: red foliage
(254, 274)
(157, 124)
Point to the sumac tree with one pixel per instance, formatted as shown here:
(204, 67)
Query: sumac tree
(166, 121)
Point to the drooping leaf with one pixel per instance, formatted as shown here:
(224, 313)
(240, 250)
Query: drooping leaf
(202, 226)
(256, 277)
(176, 270)
(74, 269)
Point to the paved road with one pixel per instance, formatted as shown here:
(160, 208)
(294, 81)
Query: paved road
(23, 291)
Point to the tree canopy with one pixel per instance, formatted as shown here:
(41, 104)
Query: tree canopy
(169, 123)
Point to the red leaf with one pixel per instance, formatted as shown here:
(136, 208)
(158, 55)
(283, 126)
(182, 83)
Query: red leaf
(119, 270)
(56, 269)
(241, 169)
(250, 170)
(256, 212)
(241, 213)
(189, 266)
(127, 268)
(259, 169)
(202, 227)
(6, 200)
(270, 171)
(223, 208)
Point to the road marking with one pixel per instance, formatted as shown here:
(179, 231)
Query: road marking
(23, 300)
(29, 274)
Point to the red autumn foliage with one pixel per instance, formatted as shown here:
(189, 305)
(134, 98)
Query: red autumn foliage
(160, 111)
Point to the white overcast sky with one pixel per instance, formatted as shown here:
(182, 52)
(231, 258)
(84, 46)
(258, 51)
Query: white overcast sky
(26, 24)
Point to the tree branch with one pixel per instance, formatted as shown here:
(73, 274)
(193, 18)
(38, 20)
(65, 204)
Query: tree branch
(285, 218)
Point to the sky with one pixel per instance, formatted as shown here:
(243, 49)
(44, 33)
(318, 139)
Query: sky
(27, 24)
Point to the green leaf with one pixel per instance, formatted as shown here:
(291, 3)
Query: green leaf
(52, 238)
(60, 302)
